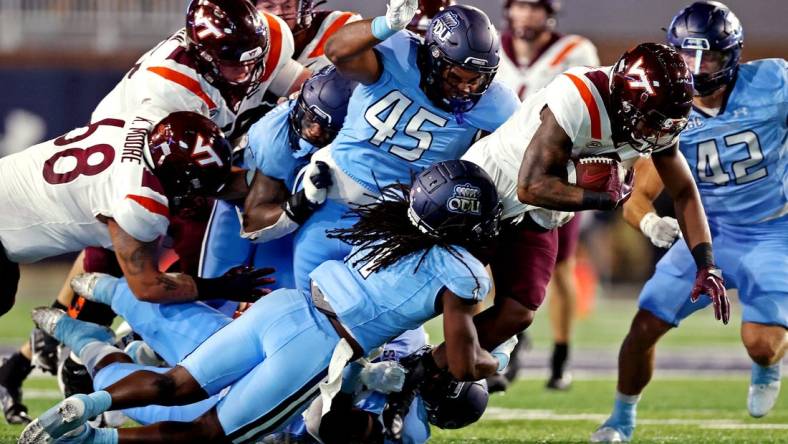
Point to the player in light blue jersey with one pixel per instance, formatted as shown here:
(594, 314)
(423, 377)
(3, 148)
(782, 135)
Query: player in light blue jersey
(418, 102)
(735, 146)
(280, 145)
(429, 234)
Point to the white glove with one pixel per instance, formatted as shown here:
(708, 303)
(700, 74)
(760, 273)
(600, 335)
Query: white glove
(400, 12)
(662, 231)
(384, 376)
(504, 351)
(317, 179)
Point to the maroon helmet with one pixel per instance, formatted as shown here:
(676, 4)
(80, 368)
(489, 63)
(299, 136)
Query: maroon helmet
(425, 13)
(189, 155)
(650, 96)
(230, 39)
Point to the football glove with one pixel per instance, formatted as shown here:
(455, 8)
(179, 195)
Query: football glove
(709, 281)
(662, 231)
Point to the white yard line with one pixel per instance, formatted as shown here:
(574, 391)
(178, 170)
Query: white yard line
(504, 414)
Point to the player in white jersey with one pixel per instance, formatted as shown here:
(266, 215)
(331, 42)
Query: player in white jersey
(220, 65)
(533, 55)
(112, 184)
(311, 29)
(636, 108)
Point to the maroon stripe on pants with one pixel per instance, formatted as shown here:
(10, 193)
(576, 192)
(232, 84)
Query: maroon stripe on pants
(568, 235)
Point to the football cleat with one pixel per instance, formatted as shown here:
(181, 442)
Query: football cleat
(66, 416)
(563, 383)
(13, 370)
(761, 398)
(45, 351)
(607, 434)
(84, 284)
(73, 377)
(14, 411)
(46, 318)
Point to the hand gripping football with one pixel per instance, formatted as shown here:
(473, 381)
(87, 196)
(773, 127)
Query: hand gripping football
(593, 172)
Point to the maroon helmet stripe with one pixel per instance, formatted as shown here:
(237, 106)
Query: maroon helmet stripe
(601, 82)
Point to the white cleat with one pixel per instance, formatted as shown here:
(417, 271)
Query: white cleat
(607, 434)
(46, 318)
(84, 284)
(68, 415)
(761, 398)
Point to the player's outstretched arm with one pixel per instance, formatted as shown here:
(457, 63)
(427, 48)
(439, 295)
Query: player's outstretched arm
(350, 48)
(467, 361)
(676, 176)
(139, 262)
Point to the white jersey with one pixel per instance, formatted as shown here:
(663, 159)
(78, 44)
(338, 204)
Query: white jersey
(560, 54)
(165, 80)
(328, 23)
(578, 99)
(54, 195)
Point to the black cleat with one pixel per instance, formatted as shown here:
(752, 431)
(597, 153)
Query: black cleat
(13, 371)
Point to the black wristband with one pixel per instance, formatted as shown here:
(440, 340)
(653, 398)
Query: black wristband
(299, 208)
(595, 200)
(703, 255)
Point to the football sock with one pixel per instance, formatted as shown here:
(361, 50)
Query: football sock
(106, 436)
(558, 360)
(105, 290)
(624, 409)
(13, 371)
(765, 375)
(77, 334)
(97, 403)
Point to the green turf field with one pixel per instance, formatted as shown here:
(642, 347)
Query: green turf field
(675, 409)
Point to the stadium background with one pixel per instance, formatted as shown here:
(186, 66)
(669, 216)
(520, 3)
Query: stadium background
(59, 57)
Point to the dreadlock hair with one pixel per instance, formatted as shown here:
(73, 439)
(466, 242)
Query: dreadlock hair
(385, 234)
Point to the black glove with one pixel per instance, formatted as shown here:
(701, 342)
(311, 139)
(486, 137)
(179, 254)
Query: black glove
(239, 284)
(300, 206)
(421, 370)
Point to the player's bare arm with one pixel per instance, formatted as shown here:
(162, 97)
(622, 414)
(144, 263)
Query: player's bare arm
(350, 50)
(647, 187)
(263, 204)
(542, 178)
(237, 187)
(676, 176)
(139, 262)
(467, 361)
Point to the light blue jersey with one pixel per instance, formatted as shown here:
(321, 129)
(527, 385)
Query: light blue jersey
(269, 149)
(393, 130)
(739, 160)
(740, 157)
(269, 152)
(374, 313)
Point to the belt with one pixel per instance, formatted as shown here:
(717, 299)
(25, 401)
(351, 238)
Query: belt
(322, 305)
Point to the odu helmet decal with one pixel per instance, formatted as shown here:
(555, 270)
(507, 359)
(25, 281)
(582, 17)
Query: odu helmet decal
(465, 199)
(443, 26)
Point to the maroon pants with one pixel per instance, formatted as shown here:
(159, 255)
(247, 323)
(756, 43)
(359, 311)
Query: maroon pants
(524, 258)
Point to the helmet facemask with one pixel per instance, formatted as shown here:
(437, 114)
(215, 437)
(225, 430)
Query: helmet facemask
(310, 129)
(441, 77)
(711, 69)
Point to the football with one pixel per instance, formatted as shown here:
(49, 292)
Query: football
(593, 172)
